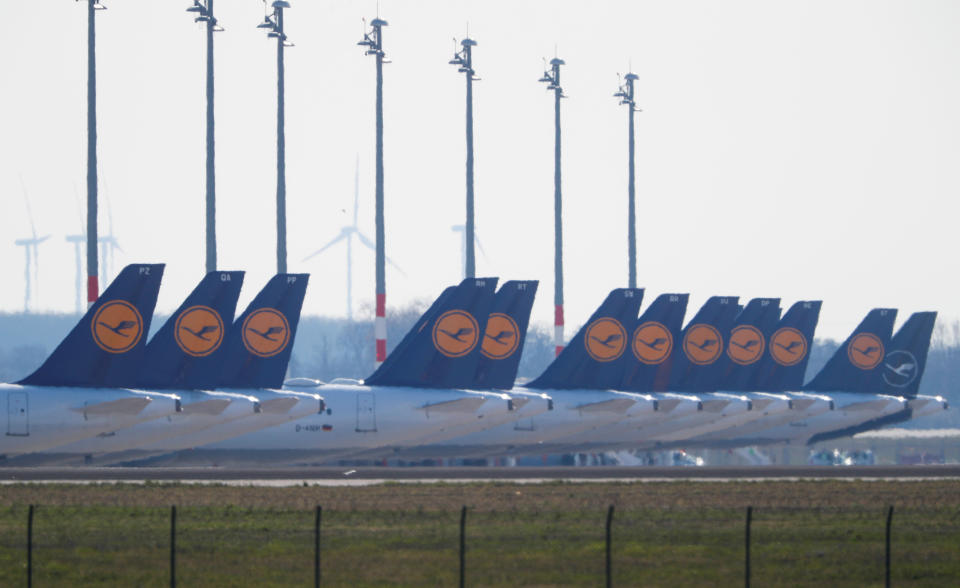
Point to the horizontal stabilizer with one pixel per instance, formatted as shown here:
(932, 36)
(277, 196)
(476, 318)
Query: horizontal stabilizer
(715, 405)
(278, 405)
(870, 405)
(802, 403)
(122, 406)
(761, 403)
(668, 404)
(461, 405)
(211, 407)
(614, 405)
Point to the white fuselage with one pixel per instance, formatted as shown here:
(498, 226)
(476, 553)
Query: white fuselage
(849, 410)
(43, 417)
(761, 431)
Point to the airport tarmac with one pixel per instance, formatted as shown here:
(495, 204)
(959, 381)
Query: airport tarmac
(281, 476)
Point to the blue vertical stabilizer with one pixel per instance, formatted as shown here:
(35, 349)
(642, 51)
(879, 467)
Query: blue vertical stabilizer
(747, 343)
(106, 347)
(443, 348)
(906, 357)
(702, 344)
(505, 333)
(258, 345)
(852, 367)
(653, 343)
(589, 361)
(187, 353)
(784, 361)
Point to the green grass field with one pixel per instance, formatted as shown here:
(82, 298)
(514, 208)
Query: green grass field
(808, 533)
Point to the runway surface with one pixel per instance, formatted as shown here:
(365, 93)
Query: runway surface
(334, 475)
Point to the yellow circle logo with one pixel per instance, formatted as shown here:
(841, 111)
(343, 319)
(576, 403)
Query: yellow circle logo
(266, 332)
(117, 326)
(502, 337)
(652, 343)
(198, 331)
(455, 333)
(865, 351)
(605, 339)
(746, 344)
(702, 344)
(788, 346)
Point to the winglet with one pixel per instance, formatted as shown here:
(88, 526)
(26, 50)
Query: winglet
(186, 353)
(106, 347)
(259, 343)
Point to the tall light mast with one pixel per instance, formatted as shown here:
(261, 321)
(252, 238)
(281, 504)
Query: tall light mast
(551, 77)
(204, 11)
(626, 96)
(373, 41)
(464, 60)
(93, 288)
(274, 23)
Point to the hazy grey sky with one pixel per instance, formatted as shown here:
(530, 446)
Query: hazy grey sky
(793, 149)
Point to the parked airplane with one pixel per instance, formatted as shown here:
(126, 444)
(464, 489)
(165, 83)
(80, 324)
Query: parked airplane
(416, 392)
(77, 392)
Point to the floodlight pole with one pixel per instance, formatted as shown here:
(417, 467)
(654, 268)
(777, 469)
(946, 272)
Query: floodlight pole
(464, 59)
(274, 22)
(93, 288)
(204, 10)
(626, 95)
(374, 43)
(552, 77)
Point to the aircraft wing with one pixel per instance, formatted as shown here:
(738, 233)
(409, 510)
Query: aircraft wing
(122, 406)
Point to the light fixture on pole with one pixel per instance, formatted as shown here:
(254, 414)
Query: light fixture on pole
(274, 24)
(463, 59)
(204, 11)
(373, 41)
(626, 96)
(93, 287)
(551, 77)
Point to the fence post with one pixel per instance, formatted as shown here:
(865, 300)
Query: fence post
(316, 546)
(747, 566)
(889, 522)
(30, 546)
(463, 545)
(609, 525)
(173, 546)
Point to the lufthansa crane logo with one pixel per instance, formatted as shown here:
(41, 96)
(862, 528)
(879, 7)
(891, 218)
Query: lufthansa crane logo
(605, 339)
(456, 333)
(652, 343)
(746, 344)
(117, 326)
(702, 344)
(266, 332)
(865, 351)
(502, 336)
(198, 331)
(900, 368)
(788, 346)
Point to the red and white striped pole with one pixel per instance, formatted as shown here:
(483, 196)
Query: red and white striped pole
(552, 78)
(558, 328)
(380, 328)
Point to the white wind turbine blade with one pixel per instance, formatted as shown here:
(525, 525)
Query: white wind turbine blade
(369, 244)
(339, 237)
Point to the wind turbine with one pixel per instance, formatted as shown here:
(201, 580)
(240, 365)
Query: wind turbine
(30, 249)
(463, 244)
(348, 232)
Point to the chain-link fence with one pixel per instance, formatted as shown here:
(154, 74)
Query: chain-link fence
(240, 546)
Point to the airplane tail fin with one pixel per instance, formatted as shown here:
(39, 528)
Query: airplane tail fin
(258, 345)
(186, 352)
(702, 344)
(852, 366)
(443, 348)
(589, 360)
(653, 340)
(106, 346)
(746, 344)
(906, 358)
(784, 362)
(503, 338)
